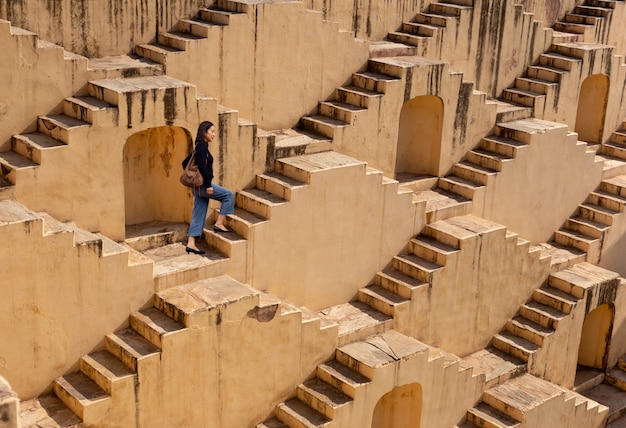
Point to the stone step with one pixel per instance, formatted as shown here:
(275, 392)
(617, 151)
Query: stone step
(130, 347)
(524, 97)
(441, 204)
(529, 330)
(577, 279)
(220, 16)
(91, 110)
(560, 256)
(173, 266)
(297, 414)
(272, 423)
(485, 416)
(474, 171)
(505, 147)
(542, 314)
(619, 137)
(558, 61)
(154, 234)
(507, 111)
(459, 186)
(258, 202)
(546, 73)
(416, 267)
(535, 85)
(621, 362)
(83, 396)
(492, 160)
(522, 394)
(153, 325)
(579, 18)
(571, 27)
(357, 96)
(322, 125)
(448, 8)
(61, 127)
(374, 82)
(496, 366)
(35, 146)
(12, 165)
(617, 378)
(206, 301)
(298, 142)
(302, 168)
(156, 52)
(48, 411)
(586, 227)
(12, 213)
(433, 19)
(278, 184)
(555, 298)
(420, 29)
(580, 241)
(615, 185)
(340, 111)
(387, 48)
(382, 299)
(515, 345)
(199, 27)
(107, 371)
(341, 377)
(120, 92)
(398, 282)
(614, 149)
(356, 321)
(380, 350)
(592, 11)
(419, 42)
(432, 250)
(113, 67)
(322, 397)
(608, 200)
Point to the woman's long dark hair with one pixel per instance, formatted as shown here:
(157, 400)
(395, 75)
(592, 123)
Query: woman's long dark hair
(202, 129)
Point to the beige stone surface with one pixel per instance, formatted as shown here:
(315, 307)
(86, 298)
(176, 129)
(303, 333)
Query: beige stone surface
(420, 235)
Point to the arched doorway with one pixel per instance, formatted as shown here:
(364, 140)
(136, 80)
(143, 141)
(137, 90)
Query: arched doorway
(152, 167)
(592, 102)
(400, 408)
(595, 337)
(419, 136)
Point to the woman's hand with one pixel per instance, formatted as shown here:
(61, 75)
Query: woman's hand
(209, 190)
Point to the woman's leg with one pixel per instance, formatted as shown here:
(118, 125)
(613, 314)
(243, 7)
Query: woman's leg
(227, 200)
(198, 216)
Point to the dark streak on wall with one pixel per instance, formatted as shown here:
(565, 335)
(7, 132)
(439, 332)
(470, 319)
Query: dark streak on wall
(169, 106)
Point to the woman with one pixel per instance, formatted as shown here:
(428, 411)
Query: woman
(209, 190)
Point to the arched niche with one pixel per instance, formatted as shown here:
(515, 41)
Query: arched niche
(399, 408)
(419, 136)
(592, 103)
(152, 168)
(595, 337)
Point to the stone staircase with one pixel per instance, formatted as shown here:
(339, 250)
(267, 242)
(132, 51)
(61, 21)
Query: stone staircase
(591, 20)
(112, 381)
(190, 31)
(527, 400)
(540, 88)
(609, 389)
(339, 385)
(426, 31)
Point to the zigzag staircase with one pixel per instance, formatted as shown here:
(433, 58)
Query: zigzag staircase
(111, 381)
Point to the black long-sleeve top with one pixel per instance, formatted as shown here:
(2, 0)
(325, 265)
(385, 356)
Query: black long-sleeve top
(204, 160)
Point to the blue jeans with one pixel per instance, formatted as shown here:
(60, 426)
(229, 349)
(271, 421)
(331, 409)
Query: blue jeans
(201, 206)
